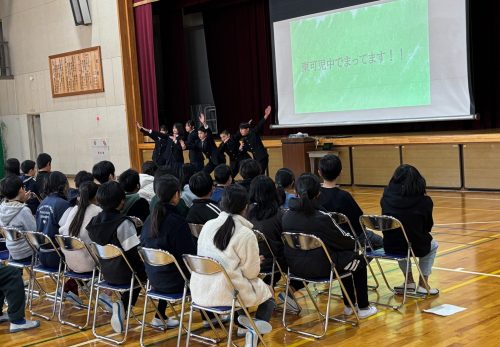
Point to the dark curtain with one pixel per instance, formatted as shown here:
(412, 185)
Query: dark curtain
(239, 59)
(146, 60)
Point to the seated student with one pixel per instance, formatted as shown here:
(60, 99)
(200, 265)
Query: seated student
(12, 291)
(204, 208)
(29, 184)
(334, 199)
(223, 178)
(134, 206)
(188, 170)
(74, 193)
(14, 213)
(146, 179)
(405, 198)
(249, 169)
(104, 171)
(12, 167)
(229, 239)
(265, 215)
(44, 165)
(74, 223)
(112, 227)
(181, 207)
(165, 229)
(305, 216)
(285, 181)
(50, 212)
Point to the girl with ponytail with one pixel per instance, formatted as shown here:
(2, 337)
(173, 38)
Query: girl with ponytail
(167, 230)
(74, 223)
(230, 240)
(306, 216)
(285, 183)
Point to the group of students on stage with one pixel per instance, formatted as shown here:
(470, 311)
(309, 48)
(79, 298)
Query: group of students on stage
(167, 198)
(200, 143)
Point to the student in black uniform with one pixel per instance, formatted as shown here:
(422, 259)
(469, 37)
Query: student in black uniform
(203, 208)
(195, 154)
(231, 147)
(207, 145)
(44, 165)
(250, 140)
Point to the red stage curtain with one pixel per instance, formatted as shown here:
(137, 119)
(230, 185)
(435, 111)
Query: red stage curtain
(146, 61)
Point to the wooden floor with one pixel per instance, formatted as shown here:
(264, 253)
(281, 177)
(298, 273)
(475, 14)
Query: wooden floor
(467, 271)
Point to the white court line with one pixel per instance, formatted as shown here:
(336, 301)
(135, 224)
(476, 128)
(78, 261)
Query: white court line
(463, 223)
(466, 272)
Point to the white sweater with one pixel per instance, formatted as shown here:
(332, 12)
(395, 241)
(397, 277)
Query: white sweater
(146, 181)
(240, 260)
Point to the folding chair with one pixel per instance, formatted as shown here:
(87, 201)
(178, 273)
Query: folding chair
(160, 258)
(39, 242)
(304, 242)
(340, 219)
(112, 252)
(195, 229)
(73, 244)
(4, 255)
(275, 268)
(378, 224)
(13, 235)
(208, 266)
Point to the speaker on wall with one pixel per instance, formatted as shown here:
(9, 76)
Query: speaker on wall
(81, 12)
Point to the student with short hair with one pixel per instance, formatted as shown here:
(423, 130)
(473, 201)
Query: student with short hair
(285, 182)
(12, 167)
(204, 208)
(188, 170)
(74, 193)
(230, 240)
(231, 147)
(167, 230)
(306, 216)
(249, 169)
(112, 227)
(12, 291)
(135, 205)
(146, 179)
(334, 199)
(405, 198)
(104, 171)
(14, 213)
(223, 178)
(29, 184)
(44, 165)
(195, 153)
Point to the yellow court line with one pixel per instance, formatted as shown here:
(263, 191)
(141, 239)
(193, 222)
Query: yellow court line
(472, 243)
(472, 280)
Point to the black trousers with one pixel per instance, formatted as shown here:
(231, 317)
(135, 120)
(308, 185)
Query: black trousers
(264, 165)
(12, 289)
(361, 283)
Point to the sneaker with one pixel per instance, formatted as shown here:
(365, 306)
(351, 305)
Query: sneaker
(348, 311)
(118, 316)
(410, 288)
(105, 302)
(251, 338)
(291, 304)
(171, 323)
(367, 312)
(223, 318)
(73, 299)
(241, 332)
(28, 324)
(4, 318)
(423, 290)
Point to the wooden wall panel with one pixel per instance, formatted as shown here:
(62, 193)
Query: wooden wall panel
(482, 165)
(439, 164)
(345, 177)
(374, 165)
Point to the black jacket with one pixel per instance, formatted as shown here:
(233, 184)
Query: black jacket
(313, 263)
(166, 152)
(253, 142)
(415, 213)
(103, 230)
(209, 148)
(174, 237)
(202, 211)
(232, 149)
(338, 200)
(29, 184)
(195, 154)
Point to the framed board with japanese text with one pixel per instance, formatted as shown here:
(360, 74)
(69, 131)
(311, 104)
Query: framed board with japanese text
(76, 72)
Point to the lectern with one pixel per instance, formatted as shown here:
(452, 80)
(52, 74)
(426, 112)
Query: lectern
(295, 155)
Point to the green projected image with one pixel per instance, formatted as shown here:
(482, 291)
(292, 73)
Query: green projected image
(371, 57)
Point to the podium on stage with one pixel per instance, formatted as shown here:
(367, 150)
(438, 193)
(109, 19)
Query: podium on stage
(295, 156)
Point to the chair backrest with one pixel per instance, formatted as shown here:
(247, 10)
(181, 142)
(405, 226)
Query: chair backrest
(158, 258)
(380, 223)
(106, 252)
(202, 265)
(261, 238)
(39, 240)
(111, 253)
(195, 229)
(304, 242)
(11, 234)
(72, 243)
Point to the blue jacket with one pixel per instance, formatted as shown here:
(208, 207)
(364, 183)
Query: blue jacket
(49, 214)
